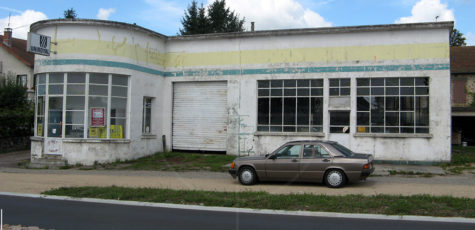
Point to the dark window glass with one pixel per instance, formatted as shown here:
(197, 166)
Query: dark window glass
(392, 103)
(407, 103)
(263, 111)
(276, 83)
(377, 111)
(276, 92)
(289, 111)
(317, 111)
(392, 91)
(408, 81)
(290, 83)
(303, 92)
(362, 82)
(377, 82)
(362, 103)
(377, 91)
(407, 90)
(377, 129)
(407, 119)
(263, 92)
(344, 82)
(392, 118)
(334, 82)
(317, 83)
(303, 111)
(422, 91)
(263, 84)
(422, 81)
(362, 118)
(392, 81)
(290, 92)
(276, 111)
(422, 111)
(317, 92)
(334, 92)
(345, 91)
(303, 83)
(363, 91)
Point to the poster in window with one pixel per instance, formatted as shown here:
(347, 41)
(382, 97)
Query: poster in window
(98, 117)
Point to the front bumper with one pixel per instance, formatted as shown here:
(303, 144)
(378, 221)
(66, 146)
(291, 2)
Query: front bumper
(233, 173)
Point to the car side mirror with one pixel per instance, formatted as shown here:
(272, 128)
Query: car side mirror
(272, 157)
(267, 155)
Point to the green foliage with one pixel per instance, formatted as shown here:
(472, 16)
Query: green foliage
(457, 38)
(217, 19)
(70, 13)
(16, 112)
(423, 205)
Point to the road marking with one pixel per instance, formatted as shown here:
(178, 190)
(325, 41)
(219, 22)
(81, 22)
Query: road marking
(250, 211)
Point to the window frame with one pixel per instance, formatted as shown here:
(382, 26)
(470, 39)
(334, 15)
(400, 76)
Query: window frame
(144, 115)
(410, 93)
(309, 91)
(42, 81)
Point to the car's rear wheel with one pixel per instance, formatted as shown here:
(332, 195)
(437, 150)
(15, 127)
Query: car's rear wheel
(247, 176)
(335, 178)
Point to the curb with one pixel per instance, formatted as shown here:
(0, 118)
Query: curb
(251, 211)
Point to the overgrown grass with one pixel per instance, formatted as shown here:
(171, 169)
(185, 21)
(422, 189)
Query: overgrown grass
(411, 173)
(463, 159)
(424, 205)
(170, 161)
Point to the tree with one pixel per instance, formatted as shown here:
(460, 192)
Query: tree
(222, 19)
(457, 38)
(70, 13)
(217, 19)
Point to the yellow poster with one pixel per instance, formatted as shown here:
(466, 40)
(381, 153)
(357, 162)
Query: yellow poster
(39, 130)
(116, 131)
(361, 129)
(98, 132)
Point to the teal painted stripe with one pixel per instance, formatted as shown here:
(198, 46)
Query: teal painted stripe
(102, 63)
(263, 71)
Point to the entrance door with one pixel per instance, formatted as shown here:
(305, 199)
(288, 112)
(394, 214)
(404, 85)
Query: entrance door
(53, 141)
(200, 116)
(340, 127)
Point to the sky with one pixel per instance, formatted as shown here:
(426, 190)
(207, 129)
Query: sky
(163, 16)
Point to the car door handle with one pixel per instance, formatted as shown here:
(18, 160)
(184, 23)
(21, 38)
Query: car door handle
(295, 160)
(325, 160)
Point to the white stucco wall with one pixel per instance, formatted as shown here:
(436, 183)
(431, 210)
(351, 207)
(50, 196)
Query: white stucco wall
(155, 62)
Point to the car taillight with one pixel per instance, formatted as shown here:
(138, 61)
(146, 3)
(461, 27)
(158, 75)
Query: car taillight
(366, 166)
(232, 165)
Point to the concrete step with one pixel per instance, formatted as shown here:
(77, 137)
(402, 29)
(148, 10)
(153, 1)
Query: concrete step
(49, 161)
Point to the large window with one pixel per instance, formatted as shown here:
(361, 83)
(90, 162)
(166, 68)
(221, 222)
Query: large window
(89, 105)
(393, 105)
(290, 105)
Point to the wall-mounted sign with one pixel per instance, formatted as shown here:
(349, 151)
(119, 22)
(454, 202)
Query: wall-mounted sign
(38, 44)
(98, 116)
(53, 146)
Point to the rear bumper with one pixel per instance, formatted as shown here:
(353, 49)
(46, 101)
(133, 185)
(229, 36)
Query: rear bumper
(366, 173)
(233, 173)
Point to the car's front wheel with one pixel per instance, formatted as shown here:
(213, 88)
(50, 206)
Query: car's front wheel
(335, 178)
(247, 176)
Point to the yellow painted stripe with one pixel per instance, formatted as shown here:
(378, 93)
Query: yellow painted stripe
(295, 55)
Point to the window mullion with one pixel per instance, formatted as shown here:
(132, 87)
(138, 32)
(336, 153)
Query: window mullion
(86, 107)
(109, 93)
(46, 98)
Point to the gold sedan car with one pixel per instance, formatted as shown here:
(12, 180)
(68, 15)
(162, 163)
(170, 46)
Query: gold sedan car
(307, 161)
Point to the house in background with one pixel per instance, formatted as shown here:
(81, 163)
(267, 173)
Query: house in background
(15, 62)
(462, 65)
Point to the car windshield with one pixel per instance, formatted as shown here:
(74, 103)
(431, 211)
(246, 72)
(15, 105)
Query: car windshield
(345, 151)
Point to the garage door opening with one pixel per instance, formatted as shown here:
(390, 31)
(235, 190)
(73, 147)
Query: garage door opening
(200, 116)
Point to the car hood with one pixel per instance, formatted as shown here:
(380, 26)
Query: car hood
(250, 158)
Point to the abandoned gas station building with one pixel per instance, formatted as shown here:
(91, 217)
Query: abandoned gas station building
(112, 90)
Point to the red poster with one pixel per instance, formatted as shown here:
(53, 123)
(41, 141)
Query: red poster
(98, 117)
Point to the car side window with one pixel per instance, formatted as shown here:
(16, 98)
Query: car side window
(289, 151)
(321, 152)
(314, 151)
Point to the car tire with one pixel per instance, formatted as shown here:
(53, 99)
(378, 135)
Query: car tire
(247, 176)
(335, 178)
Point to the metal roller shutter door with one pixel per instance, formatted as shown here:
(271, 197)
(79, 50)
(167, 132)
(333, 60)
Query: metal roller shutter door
(200, 116)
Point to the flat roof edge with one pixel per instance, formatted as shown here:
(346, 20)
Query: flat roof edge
(320, 30)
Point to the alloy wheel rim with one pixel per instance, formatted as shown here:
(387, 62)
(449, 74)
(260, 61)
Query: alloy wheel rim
(334, 178)
(246, 176)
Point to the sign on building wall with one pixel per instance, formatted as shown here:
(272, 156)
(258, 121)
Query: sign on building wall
(53, 146)
(38, 44)
(98, 117)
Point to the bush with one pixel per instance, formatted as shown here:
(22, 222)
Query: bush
(16, 112)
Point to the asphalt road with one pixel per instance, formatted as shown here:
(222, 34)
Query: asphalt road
(61, 214)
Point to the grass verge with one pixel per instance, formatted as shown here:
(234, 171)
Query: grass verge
(422, 205)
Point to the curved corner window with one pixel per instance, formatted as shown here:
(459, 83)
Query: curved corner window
(81, 105)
